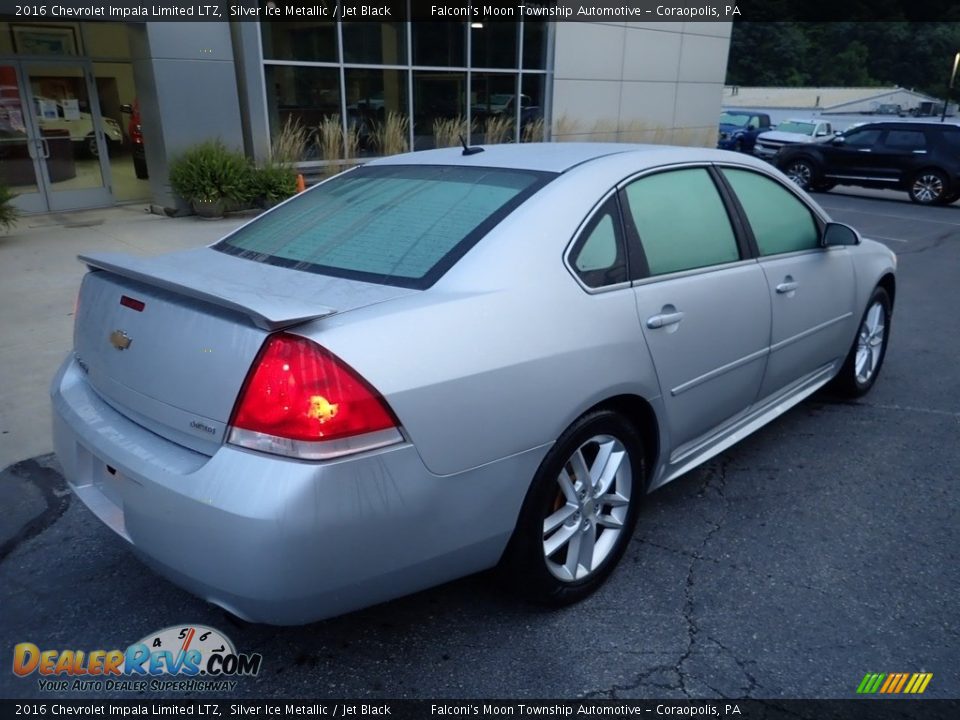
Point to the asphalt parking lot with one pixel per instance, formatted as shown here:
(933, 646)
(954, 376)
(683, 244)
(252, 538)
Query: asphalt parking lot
(821, 548)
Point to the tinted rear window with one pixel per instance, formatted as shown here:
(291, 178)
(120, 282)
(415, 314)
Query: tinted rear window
(395, 225)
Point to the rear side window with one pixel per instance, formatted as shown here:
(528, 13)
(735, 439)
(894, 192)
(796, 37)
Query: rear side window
(599, 257)
(952, 139)
(780, 222)
(395, 225)
(906, 140)
(681, 221)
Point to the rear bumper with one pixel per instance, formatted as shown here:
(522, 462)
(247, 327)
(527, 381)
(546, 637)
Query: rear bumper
(278, 541)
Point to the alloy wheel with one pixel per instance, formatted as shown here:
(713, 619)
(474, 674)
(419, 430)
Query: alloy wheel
(590, 509)
(800, 173)
(870, 341)
(927, 188)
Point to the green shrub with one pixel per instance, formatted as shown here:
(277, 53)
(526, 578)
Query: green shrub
(272, 183)
(209, 172)
(8, 213)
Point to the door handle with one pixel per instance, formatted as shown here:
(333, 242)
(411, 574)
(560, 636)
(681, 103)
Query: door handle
(45, 147)
(919, 152)
(787, 286)
(664, 319)
(864, 150)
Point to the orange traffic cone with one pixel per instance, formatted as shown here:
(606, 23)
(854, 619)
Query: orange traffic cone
(301, 185)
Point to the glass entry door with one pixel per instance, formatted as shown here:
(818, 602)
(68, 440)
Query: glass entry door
(66, 138)
(19, 166)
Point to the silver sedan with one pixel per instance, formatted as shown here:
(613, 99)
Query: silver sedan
(445, 361)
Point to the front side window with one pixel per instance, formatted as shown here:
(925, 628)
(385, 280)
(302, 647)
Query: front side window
(681, 221)
(861, 138)
(395, 225)
(598, 257)
(781, 223)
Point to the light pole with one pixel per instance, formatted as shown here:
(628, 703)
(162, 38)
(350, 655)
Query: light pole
(953, 76)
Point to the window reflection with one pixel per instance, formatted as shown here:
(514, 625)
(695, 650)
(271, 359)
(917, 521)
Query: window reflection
(301, 94)
(534, 45)
(437, 97)
(373, 43)
(299, 41)
(494, 45)
(440, 44)
(371, 95)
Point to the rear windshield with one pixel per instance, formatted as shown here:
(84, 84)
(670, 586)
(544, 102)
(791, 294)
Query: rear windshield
(395, 225)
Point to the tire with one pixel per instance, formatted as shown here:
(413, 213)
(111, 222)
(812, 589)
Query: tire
(863, 363)
(91, 145)
(541, 565)
(802, 172)
(929, 187)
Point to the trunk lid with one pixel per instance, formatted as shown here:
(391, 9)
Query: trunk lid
(176, 363)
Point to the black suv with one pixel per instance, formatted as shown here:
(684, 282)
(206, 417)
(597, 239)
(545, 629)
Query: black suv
(922, 158)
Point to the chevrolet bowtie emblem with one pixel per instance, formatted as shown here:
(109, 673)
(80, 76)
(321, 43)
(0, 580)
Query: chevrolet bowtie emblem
(120, 340)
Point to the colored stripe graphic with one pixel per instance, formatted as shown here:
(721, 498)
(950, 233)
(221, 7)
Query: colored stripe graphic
(893, 683)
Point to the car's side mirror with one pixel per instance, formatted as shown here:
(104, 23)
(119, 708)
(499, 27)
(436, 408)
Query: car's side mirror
(837, 140)
(838, 235)
(126, 108)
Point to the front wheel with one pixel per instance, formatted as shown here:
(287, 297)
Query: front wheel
(929, 187)
(579, 512)
(863, 363)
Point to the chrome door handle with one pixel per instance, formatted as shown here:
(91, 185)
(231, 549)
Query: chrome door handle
(659, 321)
(864, 150)
(45, 147)
(919, 152)
(786, 287)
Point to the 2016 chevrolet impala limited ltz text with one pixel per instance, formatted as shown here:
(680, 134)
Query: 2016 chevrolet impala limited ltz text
(450, 360)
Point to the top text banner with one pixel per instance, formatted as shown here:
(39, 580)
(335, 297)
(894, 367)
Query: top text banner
(45, 11)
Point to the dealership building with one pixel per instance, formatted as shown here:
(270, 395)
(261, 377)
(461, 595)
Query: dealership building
(68, 89)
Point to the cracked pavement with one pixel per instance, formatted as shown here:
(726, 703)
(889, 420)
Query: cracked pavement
(820, 548)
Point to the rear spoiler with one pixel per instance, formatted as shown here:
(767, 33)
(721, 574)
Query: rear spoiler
(271, 309)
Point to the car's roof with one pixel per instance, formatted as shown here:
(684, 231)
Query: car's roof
(909, 124)
(554, 157)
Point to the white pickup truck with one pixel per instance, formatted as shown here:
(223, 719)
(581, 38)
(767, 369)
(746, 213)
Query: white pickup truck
(791, 132)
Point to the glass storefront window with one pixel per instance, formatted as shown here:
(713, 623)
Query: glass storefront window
(437, 96)
(302, 41)
(493, 45)
(372, 43)
(371, 95)
(427, 85)
(531, 107)
(303, 94)
(534, 45)
(441, 44)
(493, 107)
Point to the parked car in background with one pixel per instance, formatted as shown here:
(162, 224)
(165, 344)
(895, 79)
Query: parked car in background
(739, 130)
(78, 124)
(791, 132)
(135, 133)
(921, 158)
(364, 391)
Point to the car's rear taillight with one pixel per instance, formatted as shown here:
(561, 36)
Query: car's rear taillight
(302, 401)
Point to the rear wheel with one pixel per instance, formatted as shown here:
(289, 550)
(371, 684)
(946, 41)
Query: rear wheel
(929, 187)
(863, 363)
(801, 172)
(580, 511)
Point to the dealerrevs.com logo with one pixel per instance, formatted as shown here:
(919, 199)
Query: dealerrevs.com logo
(178, 658)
